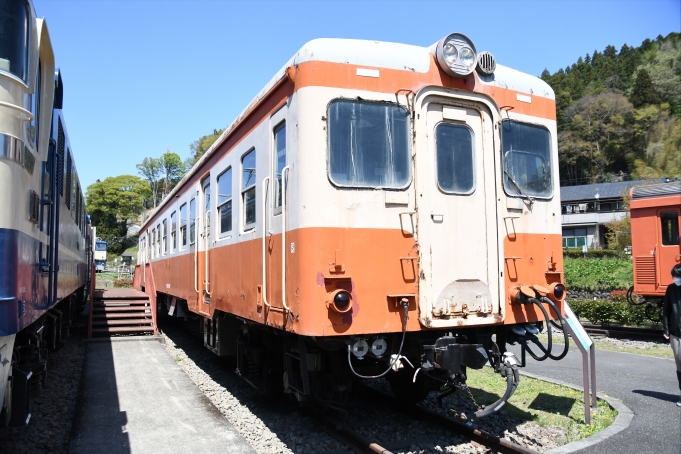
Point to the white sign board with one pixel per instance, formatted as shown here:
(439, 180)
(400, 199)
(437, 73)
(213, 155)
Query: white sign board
(581, 336)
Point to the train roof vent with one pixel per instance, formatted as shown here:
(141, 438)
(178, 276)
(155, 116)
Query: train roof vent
(657, 190)
(486, 63)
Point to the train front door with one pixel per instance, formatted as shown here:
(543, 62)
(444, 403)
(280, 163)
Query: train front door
(669, 247)
(203, 248)
(456, 204)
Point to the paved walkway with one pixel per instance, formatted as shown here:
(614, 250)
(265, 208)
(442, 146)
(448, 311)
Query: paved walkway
(134, 398)
(647, 385)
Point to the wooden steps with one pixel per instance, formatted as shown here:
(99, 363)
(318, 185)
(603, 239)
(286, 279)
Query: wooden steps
(121, 311)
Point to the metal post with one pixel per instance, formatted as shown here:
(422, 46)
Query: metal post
(585, 378)
(592, 354)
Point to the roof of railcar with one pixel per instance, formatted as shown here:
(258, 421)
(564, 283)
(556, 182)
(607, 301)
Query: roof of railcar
(377, 54)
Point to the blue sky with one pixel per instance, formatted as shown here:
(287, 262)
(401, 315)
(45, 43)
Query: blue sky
(144, 75)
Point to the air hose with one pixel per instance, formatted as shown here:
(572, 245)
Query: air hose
(549, 348)
(512, 380)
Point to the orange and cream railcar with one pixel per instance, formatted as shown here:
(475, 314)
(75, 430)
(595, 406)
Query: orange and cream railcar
(378, 209)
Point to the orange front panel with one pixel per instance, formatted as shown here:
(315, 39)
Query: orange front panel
(530, 258)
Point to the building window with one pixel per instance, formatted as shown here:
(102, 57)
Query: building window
(173, 231)
(280, 153)
(248, 188)
(369, 145)
(670, 227)
(225, 201)
(183, 225)
(192, 221)
(574, 238)
(455, 163)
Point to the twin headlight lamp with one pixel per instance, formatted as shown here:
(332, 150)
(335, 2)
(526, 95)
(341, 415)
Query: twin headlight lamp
(457, 56)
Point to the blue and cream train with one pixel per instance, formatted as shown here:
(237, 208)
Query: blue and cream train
(45, 251)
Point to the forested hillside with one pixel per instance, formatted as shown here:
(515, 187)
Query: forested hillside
(619, 113)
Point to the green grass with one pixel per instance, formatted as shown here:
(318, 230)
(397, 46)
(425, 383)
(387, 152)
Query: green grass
(542, 402)
(598, 274)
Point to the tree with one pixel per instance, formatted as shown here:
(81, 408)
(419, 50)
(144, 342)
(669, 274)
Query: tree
(114, 203)
(643, 93)
(173, 170)
(200, 146)
(151, 169)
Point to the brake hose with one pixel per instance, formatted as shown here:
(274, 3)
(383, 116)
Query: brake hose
(547, 350)
(562, 328)
(393, 360)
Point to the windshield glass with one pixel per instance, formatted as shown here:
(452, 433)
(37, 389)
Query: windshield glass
(526, 152)
(14, 37)
(369, 145)
(100, 246)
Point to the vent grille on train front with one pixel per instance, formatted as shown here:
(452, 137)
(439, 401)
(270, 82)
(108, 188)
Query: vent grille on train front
(60, 154)
(645, 270)
(486, 63)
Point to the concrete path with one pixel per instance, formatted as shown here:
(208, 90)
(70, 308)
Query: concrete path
(647, 385)
(134, 398)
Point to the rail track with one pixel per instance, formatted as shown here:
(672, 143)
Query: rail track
(619, 332)
(345, 433)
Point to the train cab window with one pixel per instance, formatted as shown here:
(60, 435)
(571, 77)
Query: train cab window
(14, 42)
(164, 243)
(369, 145)
(526, 153)
(183, 226)
(455, 158)
(192, 221)
(225, 201)
(670, 227)
(280, 153)
(173, 231)
(248, 188)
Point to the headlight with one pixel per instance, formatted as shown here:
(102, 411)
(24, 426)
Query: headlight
(456, 55)
(467, 57)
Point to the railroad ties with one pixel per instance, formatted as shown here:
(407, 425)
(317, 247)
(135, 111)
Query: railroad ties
(121, 311)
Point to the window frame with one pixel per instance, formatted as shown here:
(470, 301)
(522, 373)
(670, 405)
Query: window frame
(410, 131)
(158, 240)
(473, 161)
(277, 195)
(249, 226)
(229, 200)
(184, 222)
(173, 231)
(192, 221)
(552, 165)
(670, 219)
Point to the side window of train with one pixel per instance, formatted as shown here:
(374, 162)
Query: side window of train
(158, 240)
(280, 158)
(225, 201)
(369, 144)
(248, 189)
(526, 153)
(183, 226)
(192, 221)
(164, 246)
(670, 227)
(455, 158)
(173, 232)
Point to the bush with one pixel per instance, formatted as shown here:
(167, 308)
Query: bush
(603, 312)
(619, 296)
(595, 254)
(598, 275)
(122, 283)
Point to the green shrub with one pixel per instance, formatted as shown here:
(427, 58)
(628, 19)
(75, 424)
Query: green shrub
(594, 254)
(598, 274)
(122, 283)
(603, 312)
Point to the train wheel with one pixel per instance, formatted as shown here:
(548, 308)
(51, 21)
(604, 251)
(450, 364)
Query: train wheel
(405, 389)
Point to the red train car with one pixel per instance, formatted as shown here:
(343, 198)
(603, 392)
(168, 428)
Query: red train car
(655, 219)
